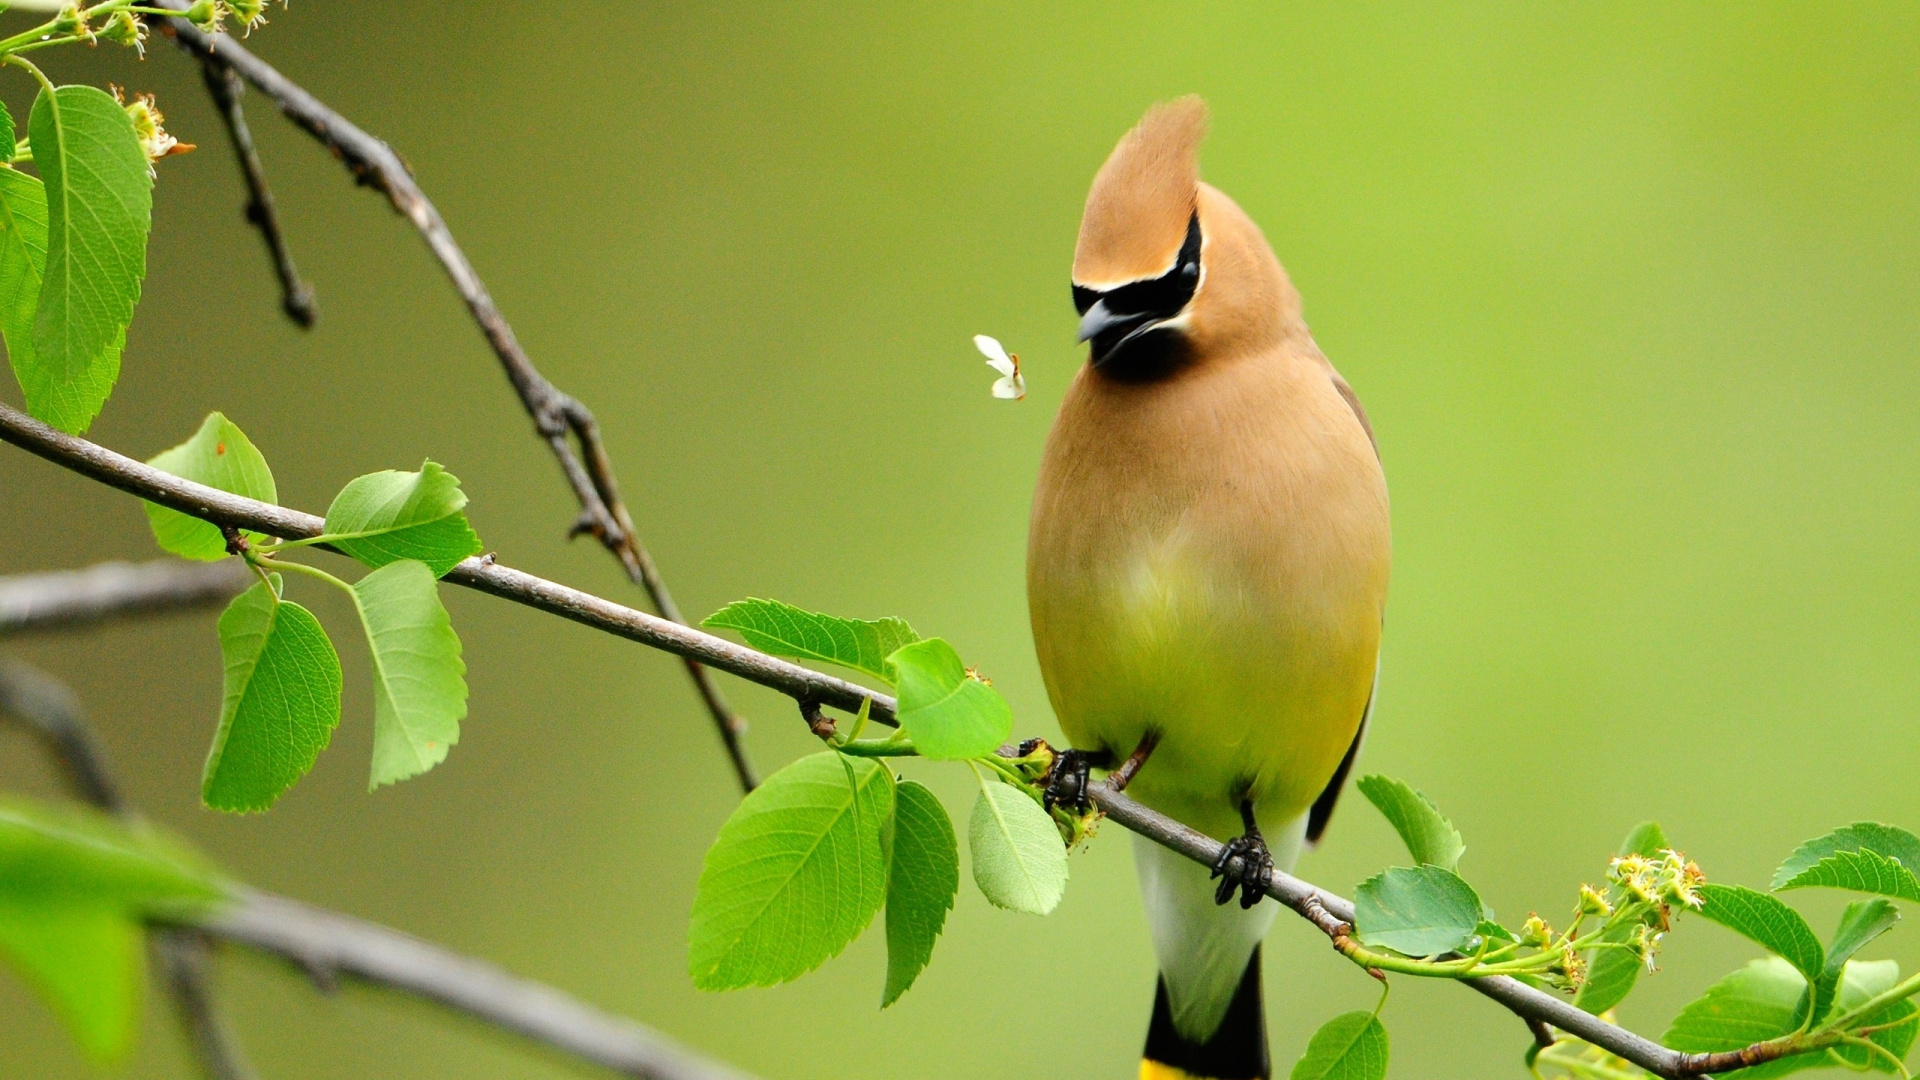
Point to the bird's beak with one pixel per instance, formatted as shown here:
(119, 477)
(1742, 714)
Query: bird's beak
(1098, 320)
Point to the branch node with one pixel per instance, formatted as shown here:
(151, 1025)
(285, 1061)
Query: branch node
(236, 544)
(817, 722)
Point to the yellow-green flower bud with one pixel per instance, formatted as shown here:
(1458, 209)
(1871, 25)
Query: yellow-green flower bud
(204, 14)
(125, 28)
(1592, 903)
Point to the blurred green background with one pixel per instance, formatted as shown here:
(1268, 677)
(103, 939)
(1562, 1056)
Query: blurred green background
(1629, 290)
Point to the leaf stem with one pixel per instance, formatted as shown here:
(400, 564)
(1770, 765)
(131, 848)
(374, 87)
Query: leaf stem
(876, 748)
(46, 84)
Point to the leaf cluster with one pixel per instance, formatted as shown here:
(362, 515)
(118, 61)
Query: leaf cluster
(811, 856)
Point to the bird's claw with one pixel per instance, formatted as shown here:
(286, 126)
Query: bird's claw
(1068, 780)
(1245, 865)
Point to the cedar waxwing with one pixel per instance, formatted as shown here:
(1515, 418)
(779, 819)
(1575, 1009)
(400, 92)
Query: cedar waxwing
(1206, 571)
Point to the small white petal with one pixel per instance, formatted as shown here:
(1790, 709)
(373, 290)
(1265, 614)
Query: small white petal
(992, 351)
(1004, 367)
(1012, 388)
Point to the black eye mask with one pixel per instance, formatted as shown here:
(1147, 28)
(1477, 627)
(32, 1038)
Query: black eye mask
(1160, 297)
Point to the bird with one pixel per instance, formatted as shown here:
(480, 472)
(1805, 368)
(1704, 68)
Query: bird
(1207, 567)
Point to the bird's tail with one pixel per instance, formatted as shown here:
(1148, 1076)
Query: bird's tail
(1237, 1050)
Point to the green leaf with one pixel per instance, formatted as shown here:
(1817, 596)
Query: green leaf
(1611, 973)
(220, 456)
(785, 630)
(23, 264)
(1351, 1046)
(1429, 836)
(9, 140)
(1864, 980)
(281, 704)
(950, 714)
(1766, 921)
(1863, 921)
(1422, 911)
(74, 885)
(797, 872)
(99, 208)
(1763, 1001)
(383, 517)
(1758, 1002)
(921, 885)
(1865, 857)
(419, 680)
(1019, 861)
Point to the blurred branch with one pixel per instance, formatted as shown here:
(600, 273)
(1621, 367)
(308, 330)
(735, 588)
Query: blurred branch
(225, 87)
(68, 598)
(50, 712)
(556, 415)
(327, 945)
(1330, 913)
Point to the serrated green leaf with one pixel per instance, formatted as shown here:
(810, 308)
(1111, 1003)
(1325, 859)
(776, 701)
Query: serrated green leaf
(74, 885)
(950, 714)
(1429, 836)
(281, 704)
(1019, 860)
(99, 208)
(1758, 1002)
(798, 870)
(1351, 1046)
(383, 517)
(419, 680)
(220, 456)
(9, 138)
(23, 264)
(784, 630)
(1862, 981)
(921, 885)
(1766, 921)
(1863, 921)
(1419, 911)
(1764, 1000)
(1611, 973)
(1865, 857)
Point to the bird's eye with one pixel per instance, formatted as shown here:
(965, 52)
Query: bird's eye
(1191, 270)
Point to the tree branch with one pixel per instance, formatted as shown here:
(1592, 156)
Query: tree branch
(326, 945)
(556, 415)
(49, 710)
(296, 296)
(1329, 912)
(483, 574)
(69, 598)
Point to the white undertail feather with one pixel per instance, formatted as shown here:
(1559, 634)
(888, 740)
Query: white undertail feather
(1202, 946)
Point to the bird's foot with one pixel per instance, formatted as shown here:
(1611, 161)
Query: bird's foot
(1246, 866)
(1069, 779)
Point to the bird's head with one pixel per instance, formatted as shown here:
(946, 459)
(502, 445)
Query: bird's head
(1167, 269)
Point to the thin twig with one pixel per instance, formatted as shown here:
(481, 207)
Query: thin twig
(70, 598)
(49, 710)
(326, 945)
(225, 87)
(183, 958)
(560, 420)
(1329, 912)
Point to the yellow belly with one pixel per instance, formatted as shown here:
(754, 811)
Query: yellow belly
(1217, 582)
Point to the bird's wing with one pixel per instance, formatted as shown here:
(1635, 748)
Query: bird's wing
(1322, 810)
(1353, 402)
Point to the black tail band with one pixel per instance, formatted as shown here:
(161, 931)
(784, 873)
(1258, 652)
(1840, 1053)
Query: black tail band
(1237, 1051)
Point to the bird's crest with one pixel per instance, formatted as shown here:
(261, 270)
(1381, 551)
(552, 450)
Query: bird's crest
(1143, 197)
